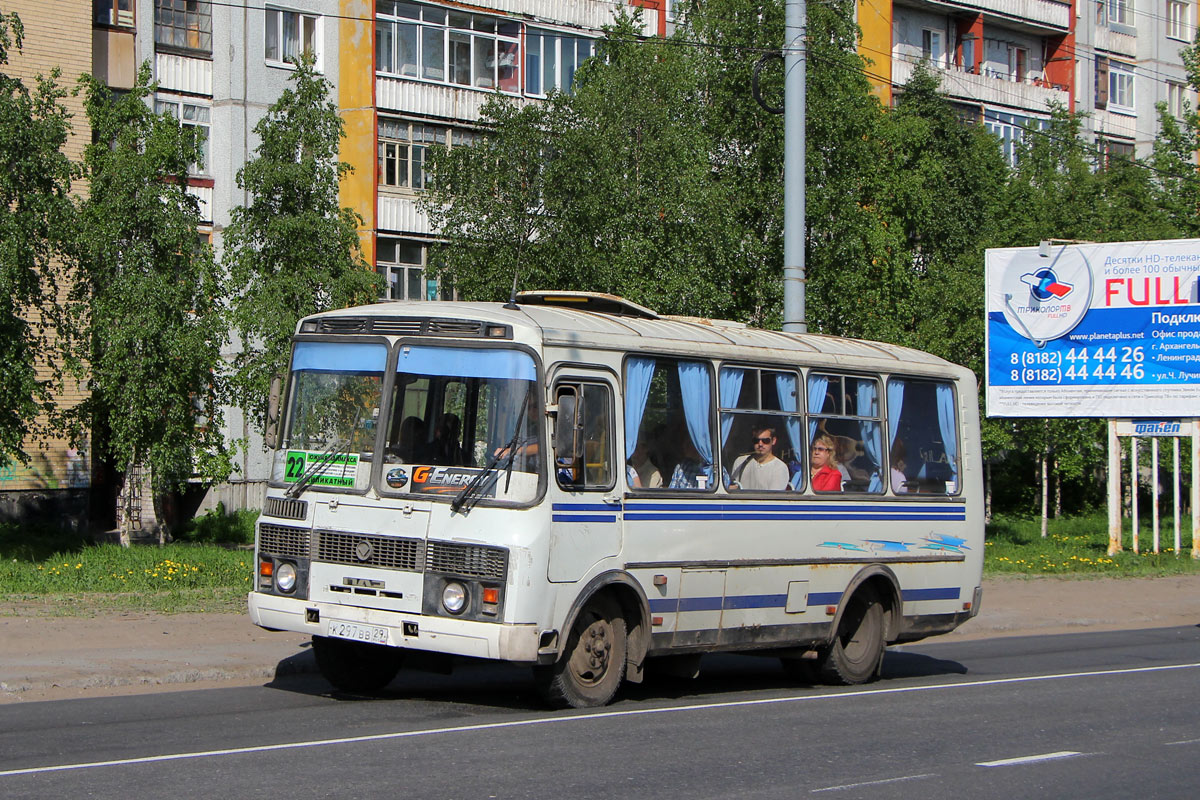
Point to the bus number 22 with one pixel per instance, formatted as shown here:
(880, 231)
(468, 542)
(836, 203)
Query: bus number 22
(295, 466)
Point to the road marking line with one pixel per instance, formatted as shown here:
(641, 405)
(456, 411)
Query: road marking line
(1008, 762)
(1185, 741)
(874, 783)
(523, 723)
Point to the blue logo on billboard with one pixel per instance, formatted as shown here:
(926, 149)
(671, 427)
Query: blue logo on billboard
(1044, 285)
(1155, 428)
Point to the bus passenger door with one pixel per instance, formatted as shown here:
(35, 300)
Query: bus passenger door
(585, 507)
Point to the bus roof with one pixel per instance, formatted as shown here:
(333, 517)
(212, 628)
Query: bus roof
(577, 326)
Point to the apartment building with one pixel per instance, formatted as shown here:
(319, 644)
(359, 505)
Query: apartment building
(58, 33)
(1004, 62)
(406, 75)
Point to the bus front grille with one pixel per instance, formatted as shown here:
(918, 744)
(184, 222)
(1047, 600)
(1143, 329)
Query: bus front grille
(285, 508)
(281, 540)
(468, 560)
(384, 552)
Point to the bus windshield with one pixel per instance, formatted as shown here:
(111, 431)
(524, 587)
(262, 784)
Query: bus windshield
(332, 413)
(456, 410)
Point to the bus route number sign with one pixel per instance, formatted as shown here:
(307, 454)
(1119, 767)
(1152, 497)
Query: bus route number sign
(338, 471)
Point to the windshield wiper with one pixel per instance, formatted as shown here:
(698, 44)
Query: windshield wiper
(470, 494)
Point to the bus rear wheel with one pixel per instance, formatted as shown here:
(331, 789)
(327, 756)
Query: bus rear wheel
(591, 669)
(356, 666)
(856, 654)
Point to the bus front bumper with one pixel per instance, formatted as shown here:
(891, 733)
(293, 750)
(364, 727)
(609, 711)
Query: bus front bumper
(493, 640)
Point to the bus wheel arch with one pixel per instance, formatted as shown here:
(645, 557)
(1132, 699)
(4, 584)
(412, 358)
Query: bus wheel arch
(608, 620)
(867, 619)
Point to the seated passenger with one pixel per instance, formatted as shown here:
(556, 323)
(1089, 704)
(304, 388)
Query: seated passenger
(899, 479)
(760, 470)
(640, 471)
(826, 477)
(690, 472)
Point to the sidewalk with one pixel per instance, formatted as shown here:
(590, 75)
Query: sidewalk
(50, 658)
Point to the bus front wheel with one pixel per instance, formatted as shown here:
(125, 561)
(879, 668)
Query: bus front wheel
(856, 654)
(356, 666)
(591, 669)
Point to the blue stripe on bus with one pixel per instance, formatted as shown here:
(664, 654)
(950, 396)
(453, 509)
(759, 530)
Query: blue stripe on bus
(676, 605)
(584, 507)
(947, 593)
(889, 508)
(583, 518)
(796, 517)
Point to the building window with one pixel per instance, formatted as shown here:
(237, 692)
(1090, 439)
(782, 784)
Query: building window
(189, 115)
(1177, 100)
(1120, 12)
(1011, 129)
(436, 44)
(290, 35)
(117, 13)
(551, 60)
(1177, 20)
(186, 24)
(404, 264)
(403, 146)
(1120, 87)
(1111, 149)
(932, 48)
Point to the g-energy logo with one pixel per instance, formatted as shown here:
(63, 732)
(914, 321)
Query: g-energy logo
(447, 480)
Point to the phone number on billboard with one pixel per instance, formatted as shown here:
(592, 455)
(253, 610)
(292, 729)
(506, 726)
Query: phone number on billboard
(1113, 364)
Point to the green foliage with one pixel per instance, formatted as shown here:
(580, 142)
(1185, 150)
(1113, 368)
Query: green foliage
(35, 220)
(609, 189)
(294, 251)
(221, 527)
(146, 297)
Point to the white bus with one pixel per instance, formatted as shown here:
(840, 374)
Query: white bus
(579, 484)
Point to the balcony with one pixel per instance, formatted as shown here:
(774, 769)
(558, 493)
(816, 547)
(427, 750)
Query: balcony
(1115, 41)
(1034, 94)
(1042, 13)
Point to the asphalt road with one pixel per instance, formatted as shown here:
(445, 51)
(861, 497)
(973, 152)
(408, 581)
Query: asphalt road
(1093, 715)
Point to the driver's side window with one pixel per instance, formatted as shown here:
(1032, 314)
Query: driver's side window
(583, 436)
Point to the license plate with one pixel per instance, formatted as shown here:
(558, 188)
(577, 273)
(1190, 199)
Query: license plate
(359, 633)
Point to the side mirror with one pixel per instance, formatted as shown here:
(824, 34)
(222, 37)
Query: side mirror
(271, 428)
(566, 427)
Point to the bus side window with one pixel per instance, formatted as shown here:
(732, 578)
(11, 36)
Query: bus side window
(583, 437)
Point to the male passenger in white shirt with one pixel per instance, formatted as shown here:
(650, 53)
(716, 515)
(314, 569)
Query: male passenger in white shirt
(760, 470)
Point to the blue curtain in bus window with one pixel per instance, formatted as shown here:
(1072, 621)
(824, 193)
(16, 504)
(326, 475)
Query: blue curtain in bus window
(817, 386)
(946, 424)
(789, 401)
(731, 390)
(693, 386)
(895, 400)
(868, 403)
(638, 372)
(730, 383)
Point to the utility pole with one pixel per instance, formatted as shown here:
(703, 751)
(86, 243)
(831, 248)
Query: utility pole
(794, 66)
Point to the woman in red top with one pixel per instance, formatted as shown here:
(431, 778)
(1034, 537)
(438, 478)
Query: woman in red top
(826, 477)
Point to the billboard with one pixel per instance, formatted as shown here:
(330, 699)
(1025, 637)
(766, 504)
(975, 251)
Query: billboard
(1094, 330)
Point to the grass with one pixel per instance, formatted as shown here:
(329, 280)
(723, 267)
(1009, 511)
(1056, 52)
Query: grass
(46, 571)
(1079, 546)
(50, 571)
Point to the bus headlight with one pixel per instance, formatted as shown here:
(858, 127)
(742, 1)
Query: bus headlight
(454, 597)
(285, 577)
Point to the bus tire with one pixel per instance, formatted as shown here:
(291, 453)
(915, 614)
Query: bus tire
(591, 669)
(856, 654)
(356, 666)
